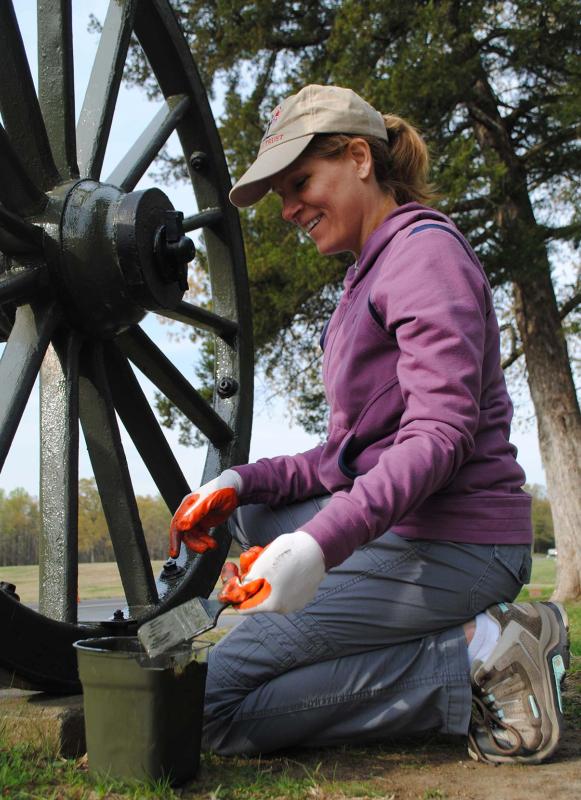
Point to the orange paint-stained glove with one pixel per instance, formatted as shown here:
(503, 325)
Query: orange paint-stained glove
(282, 577)
(241, 595)
(202, 510)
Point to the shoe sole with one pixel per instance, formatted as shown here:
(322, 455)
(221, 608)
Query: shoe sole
(558, 658)
(556, 655)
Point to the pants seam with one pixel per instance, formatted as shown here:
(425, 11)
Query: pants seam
(376, 570)
(458, 679)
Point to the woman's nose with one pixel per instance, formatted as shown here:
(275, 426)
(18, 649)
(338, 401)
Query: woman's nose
(290, 209)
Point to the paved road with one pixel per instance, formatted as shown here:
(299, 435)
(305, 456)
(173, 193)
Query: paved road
(96, 610)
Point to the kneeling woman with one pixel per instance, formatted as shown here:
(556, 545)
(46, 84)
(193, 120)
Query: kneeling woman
(381, 566)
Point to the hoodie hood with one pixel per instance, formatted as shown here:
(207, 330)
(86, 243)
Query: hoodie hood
(401, 218)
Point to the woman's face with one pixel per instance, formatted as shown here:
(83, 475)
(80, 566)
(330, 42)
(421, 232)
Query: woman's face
(331, 199)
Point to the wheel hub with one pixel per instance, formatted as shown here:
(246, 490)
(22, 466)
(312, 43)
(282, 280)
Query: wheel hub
(115, 255)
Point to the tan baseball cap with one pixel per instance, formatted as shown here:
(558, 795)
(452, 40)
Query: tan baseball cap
(294, 123)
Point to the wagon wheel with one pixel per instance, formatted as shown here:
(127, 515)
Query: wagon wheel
(83, 260)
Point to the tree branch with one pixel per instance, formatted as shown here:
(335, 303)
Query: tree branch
(528, 104)
(562, 232)
(563, 136)
(515, 351)
(298, 42)
(471, 204)
(570, 305)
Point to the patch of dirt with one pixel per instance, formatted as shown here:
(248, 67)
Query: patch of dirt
(437, 768)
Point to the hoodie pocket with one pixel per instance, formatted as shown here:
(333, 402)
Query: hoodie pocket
(377, 421)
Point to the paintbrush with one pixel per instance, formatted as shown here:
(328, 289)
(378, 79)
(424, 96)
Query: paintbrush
(180, 625)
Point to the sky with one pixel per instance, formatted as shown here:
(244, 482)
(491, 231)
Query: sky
(273, 432)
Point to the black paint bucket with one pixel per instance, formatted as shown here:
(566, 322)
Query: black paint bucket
(143, 717)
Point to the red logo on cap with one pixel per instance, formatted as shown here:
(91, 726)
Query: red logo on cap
(273, 118)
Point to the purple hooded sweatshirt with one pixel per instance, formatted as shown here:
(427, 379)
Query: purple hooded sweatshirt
(418, 436)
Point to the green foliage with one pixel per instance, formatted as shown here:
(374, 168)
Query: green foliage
(30, 773)
(543, 530)
(494, 86)
(93, 531)
(20, 526)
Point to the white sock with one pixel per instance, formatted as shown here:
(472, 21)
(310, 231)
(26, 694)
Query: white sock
(485, 637)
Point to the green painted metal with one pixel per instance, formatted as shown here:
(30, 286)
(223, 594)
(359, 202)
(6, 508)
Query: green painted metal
(20, 363)
(56, 82)
(135, 163)
(156, 366)
(97, 415)
(59, 466)
(82, 262)
(101, 97)
(19, 105)
(141, 423)
(18, 193)
(143, 719)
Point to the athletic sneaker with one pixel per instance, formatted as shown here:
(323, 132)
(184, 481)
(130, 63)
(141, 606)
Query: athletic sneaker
(517, 710)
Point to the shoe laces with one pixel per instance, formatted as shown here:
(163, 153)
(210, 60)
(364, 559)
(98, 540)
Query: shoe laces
(489, 721)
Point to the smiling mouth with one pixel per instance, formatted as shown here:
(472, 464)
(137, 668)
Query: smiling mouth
(310, 225)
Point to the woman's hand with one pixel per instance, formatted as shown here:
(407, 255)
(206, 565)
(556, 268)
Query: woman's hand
(203, 509)
(283, 576)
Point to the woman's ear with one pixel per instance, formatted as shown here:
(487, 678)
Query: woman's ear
(359, 151)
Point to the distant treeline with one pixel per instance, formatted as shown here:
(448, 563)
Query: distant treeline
(544, 535)
(20, 526)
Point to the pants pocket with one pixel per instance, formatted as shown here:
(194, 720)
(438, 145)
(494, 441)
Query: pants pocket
(508, 568)
(517, 559)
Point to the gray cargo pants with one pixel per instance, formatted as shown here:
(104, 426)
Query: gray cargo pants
(380, 652)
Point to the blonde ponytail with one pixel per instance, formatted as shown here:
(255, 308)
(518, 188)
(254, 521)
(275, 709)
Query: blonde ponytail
(405, 170)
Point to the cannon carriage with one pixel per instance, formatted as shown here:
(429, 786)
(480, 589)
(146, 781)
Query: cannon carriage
(83, 259)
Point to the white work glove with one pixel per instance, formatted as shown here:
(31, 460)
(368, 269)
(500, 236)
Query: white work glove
(203, 509)
(283, 576)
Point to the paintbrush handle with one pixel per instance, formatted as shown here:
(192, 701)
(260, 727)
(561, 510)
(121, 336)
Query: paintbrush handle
(223, 608)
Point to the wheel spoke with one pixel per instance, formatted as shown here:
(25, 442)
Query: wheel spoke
(19, 103)
(142, 426)
(17, 286)
(20, 364)
(159, 369)
(101, 96)
(132, 167)
(5, 325)
(13, 246)
(59, 476)
(204, 219)
(113, 480)
(15, 226)
(201, 318)
(17, 192)
(56, 85)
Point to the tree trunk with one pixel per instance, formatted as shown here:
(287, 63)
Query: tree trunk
(558, 419)
(549, 370)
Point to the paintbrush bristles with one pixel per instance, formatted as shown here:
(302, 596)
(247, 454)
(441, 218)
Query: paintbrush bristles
(174, 627)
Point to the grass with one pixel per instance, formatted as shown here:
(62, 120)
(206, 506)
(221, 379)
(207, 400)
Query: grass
(102, 581)
(340, 773)
(27, 773)
(96, 581)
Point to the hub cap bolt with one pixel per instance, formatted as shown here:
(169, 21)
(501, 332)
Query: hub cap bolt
(198, 161)
(9, 588)
(227, 387)
(171, 570)
(173, 250)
